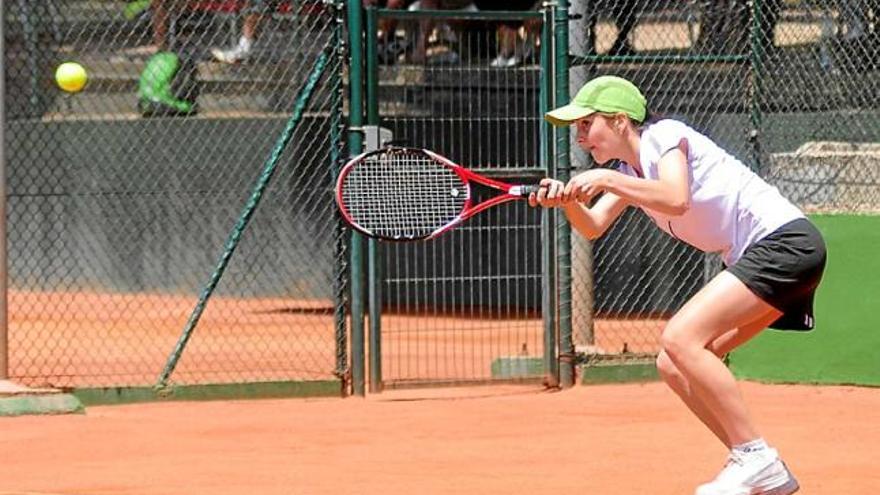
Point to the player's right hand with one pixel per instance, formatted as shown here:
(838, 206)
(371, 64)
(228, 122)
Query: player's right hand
(549, 195)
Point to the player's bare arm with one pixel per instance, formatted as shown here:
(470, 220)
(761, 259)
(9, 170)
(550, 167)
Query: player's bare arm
(589, 221)
(593, 221)
(669, 194)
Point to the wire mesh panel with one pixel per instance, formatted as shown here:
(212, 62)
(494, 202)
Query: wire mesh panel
(819, 124)
(466, 306)
(122, 197)
(627, 283)
(786, 86)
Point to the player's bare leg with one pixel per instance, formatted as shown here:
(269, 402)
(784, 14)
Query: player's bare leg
(720, 346)
(723, 304)
(678, 383)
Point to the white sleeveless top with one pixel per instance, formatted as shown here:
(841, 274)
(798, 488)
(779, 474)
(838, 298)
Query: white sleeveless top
(731, 207)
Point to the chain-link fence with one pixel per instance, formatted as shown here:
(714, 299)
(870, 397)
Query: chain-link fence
(467, 85)
(123, 197)
(786, 86)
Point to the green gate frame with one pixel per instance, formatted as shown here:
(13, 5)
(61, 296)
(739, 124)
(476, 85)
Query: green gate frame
(363, 82)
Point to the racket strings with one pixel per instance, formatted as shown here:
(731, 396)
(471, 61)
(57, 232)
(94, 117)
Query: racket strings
(403, 194)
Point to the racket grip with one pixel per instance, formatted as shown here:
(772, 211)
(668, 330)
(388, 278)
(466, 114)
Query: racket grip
(524, 191)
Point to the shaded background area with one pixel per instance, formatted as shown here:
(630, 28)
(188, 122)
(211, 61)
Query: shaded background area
(117, 219)
(134, 211)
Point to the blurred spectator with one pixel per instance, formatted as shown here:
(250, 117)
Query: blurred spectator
(164, 11)
(854, 17)
(858, 47)
(419, 52)
(390, 47)
(511, 52)
(254, 13)
(625, 17)
(726, 26)
(161, 14)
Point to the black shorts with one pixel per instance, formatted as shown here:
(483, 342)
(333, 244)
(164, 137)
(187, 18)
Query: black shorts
(784, 270)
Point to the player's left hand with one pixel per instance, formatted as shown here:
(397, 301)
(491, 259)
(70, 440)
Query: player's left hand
(549, 195)
(585, 186)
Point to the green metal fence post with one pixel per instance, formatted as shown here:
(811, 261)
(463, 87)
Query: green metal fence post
(339, 246)
(234, 238)
(355, 146)
(374, 248)
(563, 238)
(4, 341)
(548, 218)
(756, 74)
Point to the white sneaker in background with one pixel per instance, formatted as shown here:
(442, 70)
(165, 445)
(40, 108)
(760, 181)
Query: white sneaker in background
(234, 55)
(503, 62)
(230, 56)
(498, 61)
(754, 473)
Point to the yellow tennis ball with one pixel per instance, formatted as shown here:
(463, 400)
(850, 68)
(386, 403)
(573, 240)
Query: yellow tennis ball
(71, 76)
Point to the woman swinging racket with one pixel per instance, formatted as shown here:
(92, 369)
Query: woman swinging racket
(698, 193)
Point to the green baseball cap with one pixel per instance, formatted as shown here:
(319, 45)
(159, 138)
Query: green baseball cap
(605, 94)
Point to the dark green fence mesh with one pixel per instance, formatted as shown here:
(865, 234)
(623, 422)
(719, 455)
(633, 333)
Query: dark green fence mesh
(119, 206)
(118, 211)
(466, 306)
(786, 86)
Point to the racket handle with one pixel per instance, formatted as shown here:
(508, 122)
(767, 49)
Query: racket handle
(524, 191)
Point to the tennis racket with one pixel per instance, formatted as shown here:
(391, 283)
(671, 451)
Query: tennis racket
(410, 194)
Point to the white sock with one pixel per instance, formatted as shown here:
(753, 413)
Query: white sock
(245, 43)
(754, 446)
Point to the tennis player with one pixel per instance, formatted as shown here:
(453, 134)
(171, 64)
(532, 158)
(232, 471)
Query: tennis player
(698, 193)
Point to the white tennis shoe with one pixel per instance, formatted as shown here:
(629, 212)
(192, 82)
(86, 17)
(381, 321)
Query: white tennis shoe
(233, 55)
(754, 473)
(504, 62)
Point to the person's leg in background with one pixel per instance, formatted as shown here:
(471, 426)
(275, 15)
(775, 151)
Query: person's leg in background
(162, 13)
(726, 27)
(625, 17)
(507, 35)
(254, 13)
(419, 53)
(160, 22)
(390, 47)
(854, 18)
(511, 51)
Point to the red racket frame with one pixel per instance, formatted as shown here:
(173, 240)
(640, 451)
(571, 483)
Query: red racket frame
(509, 192)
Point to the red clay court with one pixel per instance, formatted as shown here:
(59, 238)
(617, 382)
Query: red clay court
(608, 439)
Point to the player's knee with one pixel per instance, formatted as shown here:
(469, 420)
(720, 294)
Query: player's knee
(676, 343)
(665, 367)
(670, 374)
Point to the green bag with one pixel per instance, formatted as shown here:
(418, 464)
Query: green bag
(168, 86)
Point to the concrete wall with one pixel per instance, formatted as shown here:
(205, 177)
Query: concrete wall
(140, 205)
